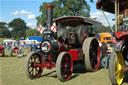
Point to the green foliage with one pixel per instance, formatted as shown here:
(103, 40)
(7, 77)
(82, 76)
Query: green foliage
(65, 8)
(4, 31)
(32, 32)
(99, 29)
(18, 28)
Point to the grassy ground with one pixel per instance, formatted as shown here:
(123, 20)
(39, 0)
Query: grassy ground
(12, 72)
(1, 39)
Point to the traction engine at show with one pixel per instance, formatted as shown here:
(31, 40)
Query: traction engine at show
(64, 48)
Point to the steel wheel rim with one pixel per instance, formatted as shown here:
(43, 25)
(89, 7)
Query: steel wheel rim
(66, 67)
(95, 55)
(32, 69)
(119, 64)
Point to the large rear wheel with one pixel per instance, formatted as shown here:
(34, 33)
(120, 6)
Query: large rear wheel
(33, 71)
(116, 65)
(64, 66)
(91, 52)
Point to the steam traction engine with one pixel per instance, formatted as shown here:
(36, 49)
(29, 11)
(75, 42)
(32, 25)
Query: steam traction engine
(65, 47)
(18, 51)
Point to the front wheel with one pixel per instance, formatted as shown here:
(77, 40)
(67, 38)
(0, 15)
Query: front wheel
(64, 66)
(33, 71)
(116, 65)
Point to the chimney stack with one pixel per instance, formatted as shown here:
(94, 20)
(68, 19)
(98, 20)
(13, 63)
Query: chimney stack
(49, 14)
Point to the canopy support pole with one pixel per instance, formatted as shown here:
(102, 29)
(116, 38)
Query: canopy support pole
(116, 14)
(107, 20)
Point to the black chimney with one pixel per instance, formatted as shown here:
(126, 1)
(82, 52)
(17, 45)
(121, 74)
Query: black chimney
(49, 15)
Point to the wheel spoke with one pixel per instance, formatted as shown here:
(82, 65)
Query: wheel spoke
(30, 71)
(35, 57)
(37, 69)
(68, 72)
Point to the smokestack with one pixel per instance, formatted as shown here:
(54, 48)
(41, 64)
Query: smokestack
(49, 14)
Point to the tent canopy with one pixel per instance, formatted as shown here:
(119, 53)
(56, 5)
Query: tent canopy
(108, 5)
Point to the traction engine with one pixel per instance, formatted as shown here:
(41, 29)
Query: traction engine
(63, 49)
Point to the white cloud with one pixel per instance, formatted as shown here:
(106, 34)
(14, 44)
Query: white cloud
(33, 25)
(15, 13)
(23, 12)
(31, 16)
(100, 17)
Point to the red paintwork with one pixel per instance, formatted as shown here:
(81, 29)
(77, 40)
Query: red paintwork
(1, 51)
(75, 54)
(121, 34)
(1, 48)
(68, 73)
(98, 60)
(15, 50)
(46, 64)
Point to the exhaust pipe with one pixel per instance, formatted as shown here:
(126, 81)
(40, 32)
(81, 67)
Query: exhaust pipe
(49, 15)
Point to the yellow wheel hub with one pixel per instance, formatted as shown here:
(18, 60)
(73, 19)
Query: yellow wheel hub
(119, 65)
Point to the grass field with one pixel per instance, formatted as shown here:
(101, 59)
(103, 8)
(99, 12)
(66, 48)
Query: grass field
(1, 39)
(12, 72)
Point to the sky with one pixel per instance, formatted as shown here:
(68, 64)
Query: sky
(28, 10)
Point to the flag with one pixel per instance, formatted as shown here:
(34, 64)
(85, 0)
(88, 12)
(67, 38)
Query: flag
(41, 28)
(53, 28)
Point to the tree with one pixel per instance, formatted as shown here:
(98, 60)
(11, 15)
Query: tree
(32, 32)
(101, 28)
(65, 8)
(4, 31)
(18, 28)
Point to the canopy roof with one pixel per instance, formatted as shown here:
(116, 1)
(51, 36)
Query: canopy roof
(75, 20)
(108, 5)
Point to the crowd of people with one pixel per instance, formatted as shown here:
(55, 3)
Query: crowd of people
(10, 44)
(106, 50)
